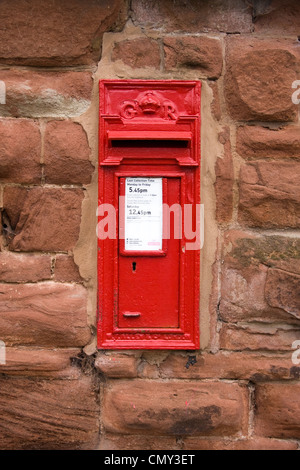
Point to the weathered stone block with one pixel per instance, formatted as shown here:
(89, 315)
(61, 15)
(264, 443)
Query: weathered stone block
(39, 362)
(259, 77)
(46, 94)
(138, 53)
(194, 53)
(117, 365)
(203, 409)
(277, 16)
(24, 268)
(270, 194)
(20, 151)
(254, 338)
(258, 142)
(278, 411)
(257, 443)
(46, 314)
(66, 270)
(45, 33)
(43, 219)
(66, 154)
(194, 16)
(248, 261)
(48, 415)
(256, 367)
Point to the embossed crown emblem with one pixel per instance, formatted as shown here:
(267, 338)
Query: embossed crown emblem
(149, 104)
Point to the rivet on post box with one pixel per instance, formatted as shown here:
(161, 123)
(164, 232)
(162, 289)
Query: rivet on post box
(148, 214)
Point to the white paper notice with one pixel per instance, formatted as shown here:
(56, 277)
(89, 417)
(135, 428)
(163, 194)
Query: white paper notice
(143, 214)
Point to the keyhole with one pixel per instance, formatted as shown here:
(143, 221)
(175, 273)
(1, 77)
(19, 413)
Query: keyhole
(134, 266)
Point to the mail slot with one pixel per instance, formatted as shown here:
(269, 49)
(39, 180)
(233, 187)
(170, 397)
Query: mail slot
(148, 217)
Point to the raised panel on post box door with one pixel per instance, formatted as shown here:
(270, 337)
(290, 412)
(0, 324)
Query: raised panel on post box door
(149, 284)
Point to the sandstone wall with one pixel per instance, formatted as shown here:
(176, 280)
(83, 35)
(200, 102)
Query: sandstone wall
(241, 391)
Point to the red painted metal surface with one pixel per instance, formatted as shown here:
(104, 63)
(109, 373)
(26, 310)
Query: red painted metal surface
(149, 129)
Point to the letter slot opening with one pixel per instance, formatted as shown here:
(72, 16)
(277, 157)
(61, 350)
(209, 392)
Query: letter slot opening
(183, 144)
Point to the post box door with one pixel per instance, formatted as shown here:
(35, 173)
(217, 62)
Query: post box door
(149, 281)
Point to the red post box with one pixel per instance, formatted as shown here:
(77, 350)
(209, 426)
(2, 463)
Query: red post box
(149, 196)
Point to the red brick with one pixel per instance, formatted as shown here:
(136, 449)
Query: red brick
(20, 152)
(278, 411)
(38, 362)
(43, 219)
(67, 154)
(194, 53)
(46, 94)
(281, 16)
(283, 291)
(239, 444)
(259, 77)
(66, 270)
(258, 142)
(255, 367)
(256, 338)
(137, 53)
(193, 16)
(270, 194)
(46, 315)
(224, 180)
(45, 33)
(177, 408)
(48, 414)
(24, 268)
(117, 365)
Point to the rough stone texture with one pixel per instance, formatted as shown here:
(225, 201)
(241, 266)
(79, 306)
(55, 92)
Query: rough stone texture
(254, 91)
(281, 16)
(20, 152)
(224, 180)
(117, 365)
(193, 16)
(248, 261)
(115, 442)
(46, 314)
(278, 411)
(138, 53)
(239, 444)
(24, 268)
(46, 94)
(48, 415)
(235, 338)
(39, 362)
(43, 219)
(193, 52)
(283, 291)
(255, 367)
(56, 33)
(259, 142)
(216, 103)
(66, 270)
(161, 408)
(66, 154)
(270, 194)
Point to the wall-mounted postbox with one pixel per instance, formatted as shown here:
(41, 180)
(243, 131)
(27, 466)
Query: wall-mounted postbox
(149, 196)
